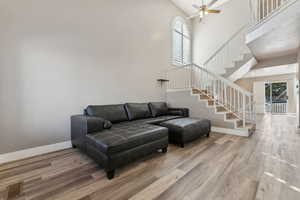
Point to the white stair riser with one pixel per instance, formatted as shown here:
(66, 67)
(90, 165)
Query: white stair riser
(199, 108)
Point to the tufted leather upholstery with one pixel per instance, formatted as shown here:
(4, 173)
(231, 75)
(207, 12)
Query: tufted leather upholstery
(185, 130)
(133, 134)
(125, 136)
(158, 120)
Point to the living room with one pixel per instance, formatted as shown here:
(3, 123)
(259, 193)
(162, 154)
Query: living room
(140, 100)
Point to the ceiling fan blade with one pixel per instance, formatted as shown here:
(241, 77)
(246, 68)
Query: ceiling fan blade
(212, 3)
(213, 11)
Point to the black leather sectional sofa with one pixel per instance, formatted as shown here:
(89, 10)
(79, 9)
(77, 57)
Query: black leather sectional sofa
(114, 135)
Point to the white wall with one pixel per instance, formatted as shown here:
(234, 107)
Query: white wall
(58, 56)
(259, 96)
(292, 101)
(215, 29)
(198, 109)
(297, 92)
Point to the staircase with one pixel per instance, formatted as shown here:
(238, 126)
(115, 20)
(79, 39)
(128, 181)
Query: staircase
(233, 59)
(219, 108)
(209, 90)
(238, 64)
(241, 67)
(211, 96)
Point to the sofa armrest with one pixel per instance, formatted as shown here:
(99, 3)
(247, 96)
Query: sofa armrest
(81, 125)
(179, 111)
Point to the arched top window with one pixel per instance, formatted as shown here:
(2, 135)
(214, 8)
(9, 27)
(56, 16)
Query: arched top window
(181, 42)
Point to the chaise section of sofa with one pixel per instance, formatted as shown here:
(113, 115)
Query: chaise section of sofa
(115, 135)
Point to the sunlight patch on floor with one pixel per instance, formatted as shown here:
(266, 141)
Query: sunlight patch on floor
(279, 160)
(297, 189)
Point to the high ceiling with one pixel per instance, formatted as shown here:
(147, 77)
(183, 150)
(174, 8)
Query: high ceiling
(186, 5)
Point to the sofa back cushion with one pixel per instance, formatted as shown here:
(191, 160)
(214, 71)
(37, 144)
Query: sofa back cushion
(158, 108)
(113, 113)
(137, 111)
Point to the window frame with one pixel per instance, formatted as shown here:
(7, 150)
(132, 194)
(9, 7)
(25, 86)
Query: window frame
(183, 35)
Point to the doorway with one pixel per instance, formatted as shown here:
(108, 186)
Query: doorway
(276, 97)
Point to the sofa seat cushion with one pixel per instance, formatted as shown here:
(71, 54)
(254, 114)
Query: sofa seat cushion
(125, 136)
(158, 120)
(153, 120)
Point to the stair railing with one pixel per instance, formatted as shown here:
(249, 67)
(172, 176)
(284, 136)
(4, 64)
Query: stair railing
(262, 9)
(230, 51)
(224, 92)
(279, 107)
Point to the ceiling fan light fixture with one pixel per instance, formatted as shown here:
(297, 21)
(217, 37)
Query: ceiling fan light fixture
(204, 10)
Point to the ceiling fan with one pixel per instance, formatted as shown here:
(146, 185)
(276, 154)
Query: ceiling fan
(204, 10)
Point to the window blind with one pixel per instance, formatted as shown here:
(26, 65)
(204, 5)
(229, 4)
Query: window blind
(181, 44)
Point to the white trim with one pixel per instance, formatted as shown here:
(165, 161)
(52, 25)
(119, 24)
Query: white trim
(179, 90)
(238, 132)
(27, 153)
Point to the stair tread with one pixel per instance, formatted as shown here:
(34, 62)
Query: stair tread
(221, 109)
(248, 125)
(231, 116)
(204, 95)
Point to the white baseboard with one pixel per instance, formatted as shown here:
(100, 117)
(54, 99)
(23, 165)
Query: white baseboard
(238, 132)
(179, 90)
(27, 153)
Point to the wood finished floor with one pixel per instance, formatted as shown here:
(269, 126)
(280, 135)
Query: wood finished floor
(265, 166)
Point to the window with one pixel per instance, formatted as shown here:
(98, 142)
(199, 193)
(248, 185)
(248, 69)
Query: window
(181, 43)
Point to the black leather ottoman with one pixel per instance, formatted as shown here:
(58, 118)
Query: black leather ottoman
(186, 130)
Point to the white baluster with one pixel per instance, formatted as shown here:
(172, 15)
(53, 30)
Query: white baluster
(225, 95)
(244, 110)
(214, 89)
(272, 5)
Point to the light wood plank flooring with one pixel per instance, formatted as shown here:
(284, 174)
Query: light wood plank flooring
(265, 166)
